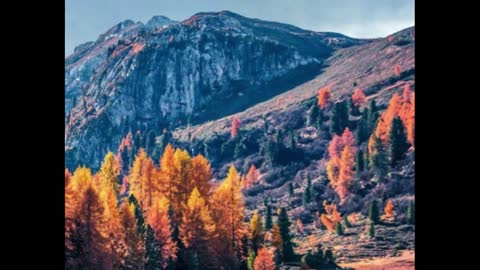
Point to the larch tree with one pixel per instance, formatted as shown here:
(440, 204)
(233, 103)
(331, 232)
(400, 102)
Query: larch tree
(252, 175)
(358, 98)
(182, 163)
(324, 97)
(136, 177)
(159, 221)
(332, 216)
(300, 226)
(276, 237)
(397, 70)
(197, 229)
(95, 251)
(385, 122)
(235, 126)
(264, 260)
(389, 210)
(201, 173)
(228, 212)
(256, 231)
(345, 175)
(110, 170)
(114, 230)
(167, 170)
(135, 252)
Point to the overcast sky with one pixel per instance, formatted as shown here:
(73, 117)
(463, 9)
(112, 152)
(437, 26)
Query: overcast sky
(85, 20)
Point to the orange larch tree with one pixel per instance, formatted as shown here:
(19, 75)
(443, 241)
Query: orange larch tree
(95, 250)
(201, 173)
(324, 97)
(300, 226)
(264, 260)
(113, 228)
(136, 176)
(358, 97)
(134, 244)
(332, 217)
(167, 171)
(228, 210)
(385, 122)
(345, 174)
(397, 70)
(235, 126)
(252, 175)
(389, 212)
(159, 221)
(182, 163)
(198, 229)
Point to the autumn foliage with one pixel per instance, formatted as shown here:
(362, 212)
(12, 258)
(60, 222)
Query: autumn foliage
(324, 97)
(332, 217)
(358, 97)
(397, 70)
(399, 106)
(100, 233)
(235, 126)
(340, 166)
(389, 212)
(264, 260)
(251, 178)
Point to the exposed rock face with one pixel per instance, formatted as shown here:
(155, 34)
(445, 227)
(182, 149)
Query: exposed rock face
(140, 77)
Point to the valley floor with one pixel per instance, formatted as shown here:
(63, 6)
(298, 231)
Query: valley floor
(406, 261)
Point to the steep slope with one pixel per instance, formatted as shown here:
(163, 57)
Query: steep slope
(369, 67)
(137, 77)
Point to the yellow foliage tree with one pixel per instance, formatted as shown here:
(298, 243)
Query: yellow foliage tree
(256, 231)
(228, 212)
(110, 170)
(198, 229)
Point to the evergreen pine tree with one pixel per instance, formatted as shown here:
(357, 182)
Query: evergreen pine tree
(268, 218)
(360, 165)
(288, 254)
(150, 142)
(411, 213)
(378, 159)
(291, 140)
(371, 230)
(339, 119)
(346, 222)
(152, 251)
(307, 194)
(290, 189)
(138, 215)
(193, 262)
(372, 116)
(313, 114)
(373, 212)
(339, 228)
(398, 141)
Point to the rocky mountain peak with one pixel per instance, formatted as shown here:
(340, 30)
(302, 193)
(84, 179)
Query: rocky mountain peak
(158, 21)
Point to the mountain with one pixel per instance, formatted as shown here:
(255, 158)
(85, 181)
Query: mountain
(164, 74)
